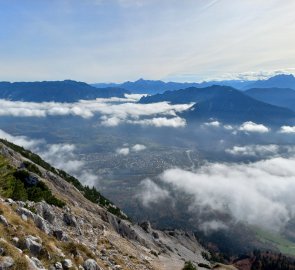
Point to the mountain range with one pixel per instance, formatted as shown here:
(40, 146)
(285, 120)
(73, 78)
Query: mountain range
(58, 91)
(223, 103)
(154, 87)
(265, 103)
(282, 97)
(278, 81)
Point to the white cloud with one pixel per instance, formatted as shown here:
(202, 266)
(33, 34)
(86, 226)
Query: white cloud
(123, 151)
(259, 193)
(228, 127)
(61, 156)
(111, 121)
(254, 150)
(287, 129)
(20, 140)
(253, 127)
(127, 98)
(213, 124)
(138, 147)
(212, 225)
(151, 193)
(174, 122)
(134, 97)
(114, 111)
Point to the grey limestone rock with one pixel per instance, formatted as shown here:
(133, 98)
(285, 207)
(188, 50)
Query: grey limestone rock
(6, 263)
(91, 264)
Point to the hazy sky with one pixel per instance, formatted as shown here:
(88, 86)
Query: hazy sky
(118, 40)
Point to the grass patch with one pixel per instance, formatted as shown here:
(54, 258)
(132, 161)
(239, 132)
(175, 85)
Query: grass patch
(278, 241)
(20, 261)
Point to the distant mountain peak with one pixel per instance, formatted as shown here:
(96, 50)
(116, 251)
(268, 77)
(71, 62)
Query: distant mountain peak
(282, 77)
(277, 81)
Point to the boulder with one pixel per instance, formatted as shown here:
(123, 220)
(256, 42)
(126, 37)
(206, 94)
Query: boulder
(37, 264)
(58, 266)
(26, 212)
(91, 264)
(3, 220)
(15, 241)
(6, 263)
(59, 234)
(10, 201)
(24, 217)
(155, 235)
(33, 245)
(67, 264)
(42, 224)
(70, 220)
(34, 263)
(46, 211)
(146, 225)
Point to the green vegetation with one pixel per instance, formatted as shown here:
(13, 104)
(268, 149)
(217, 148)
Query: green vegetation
(189, 266)
(278, 241)
(92, 194)
(272, 261)
(14, 184)
(32, 168)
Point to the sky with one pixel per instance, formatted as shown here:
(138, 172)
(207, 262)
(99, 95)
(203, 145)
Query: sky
(119, 40)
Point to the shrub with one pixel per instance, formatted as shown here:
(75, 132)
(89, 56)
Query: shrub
(189, 266)
(32, 168)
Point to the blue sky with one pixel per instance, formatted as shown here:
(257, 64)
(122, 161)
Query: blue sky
(118, 40)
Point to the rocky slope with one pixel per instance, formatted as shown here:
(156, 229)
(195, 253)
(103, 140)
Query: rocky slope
(75, 233)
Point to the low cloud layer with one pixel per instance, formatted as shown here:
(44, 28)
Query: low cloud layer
(262, 151)
(21, 140)
(61, 156)
(247, 127)
(114, 111)
(259, 193)
(151, 193)
(254, 150)
(160, 122)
